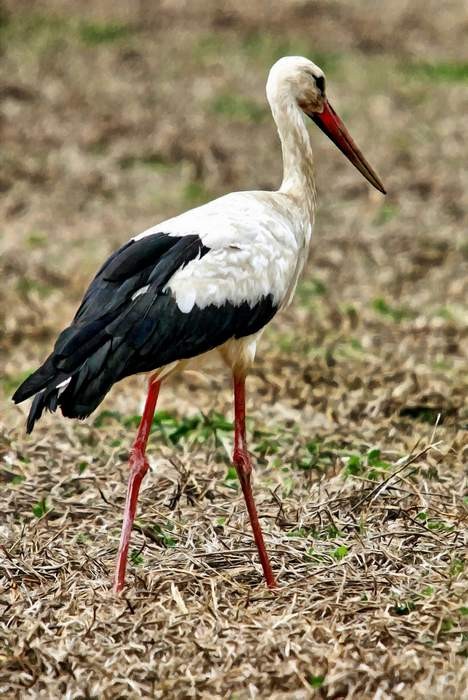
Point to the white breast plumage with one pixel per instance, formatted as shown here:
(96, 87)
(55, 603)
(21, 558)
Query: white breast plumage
(254, 240)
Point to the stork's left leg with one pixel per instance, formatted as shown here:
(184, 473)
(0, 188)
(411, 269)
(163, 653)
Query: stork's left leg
(138, 468)
(243, 466)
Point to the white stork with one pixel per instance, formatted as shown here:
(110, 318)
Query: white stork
(207, 280)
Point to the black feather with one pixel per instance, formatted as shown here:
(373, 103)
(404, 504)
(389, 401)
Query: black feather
(114, 335)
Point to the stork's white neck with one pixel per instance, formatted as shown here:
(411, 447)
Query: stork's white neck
(298, 162)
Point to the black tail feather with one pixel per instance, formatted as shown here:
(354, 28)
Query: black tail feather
(36, 411)
(86, 388)
(37, 381)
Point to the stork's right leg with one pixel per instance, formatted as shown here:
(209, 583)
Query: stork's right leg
(243, 464)
(138, 468)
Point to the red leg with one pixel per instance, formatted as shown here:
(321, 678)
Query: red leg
(138, 468)
(243, 466)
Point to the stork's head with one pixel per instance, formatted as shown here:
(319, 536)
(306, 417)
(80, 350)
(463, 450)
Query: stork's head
(296, 80)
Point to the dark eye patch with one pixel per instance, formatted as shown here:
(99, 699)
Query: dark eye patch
(320, 83)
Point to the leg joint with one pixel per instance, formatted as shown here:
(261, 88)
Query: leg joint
(138, 462)
(241, 459)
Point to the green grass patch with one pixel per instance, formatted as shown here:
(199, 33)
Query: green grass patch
(315, 455)
(340, 552)
(386, 213)
(457, 566)
(11, 382)
(238, 107)
(371, 465)
(316, 681)
(310, 288)
(447, 624)
(302, 532)
(428, 591)
(267, 442)
(26, 286)
(395, 313)
(40, 508)
(231, 480)
(151, 160)
(268, 48)
(164, 534)
(36, 240)
(433, 523)
(82, 538)
(94, 34)
(136, 557)
(443, 71)
(195, 193)
(315, 557)
(173, 429)
(33, 28)
(199, 428)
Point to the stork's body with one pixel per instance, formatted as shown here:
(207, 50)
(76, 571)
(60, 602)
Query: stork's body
(207, 280)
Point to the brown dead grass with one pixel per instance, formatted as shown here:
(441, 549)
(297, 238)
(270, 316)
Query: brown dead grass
(357, 402)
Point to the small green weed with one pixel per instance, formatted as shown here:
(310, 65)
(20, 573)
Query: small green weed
(238, 107)
(386, 213)
(173, 429)
(340, 552)
(444, 71)
(433, 523)
(427, 591)
(164, 534)
(26, 286)
(40, 508)
(136, 557)
(302, 532)
(231, 479)
(370, 465)
(457, 567)
(82, 538)
(395, 313)
(195, 193)
(315, 557)
(150, 160)
(36, 240)
(316, 681)
(94, 34)
(310, 288)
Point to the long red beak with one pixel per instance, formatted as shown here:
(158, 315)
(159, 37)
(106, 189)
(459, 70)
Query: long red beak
(333, 127)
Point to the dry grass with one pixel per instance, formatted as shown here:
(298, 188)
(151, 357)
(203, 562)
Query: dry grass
(357, 403)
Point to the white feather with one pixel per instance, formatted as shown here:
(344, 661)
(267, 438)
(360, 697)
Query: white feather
(63, 385)
(140, 291)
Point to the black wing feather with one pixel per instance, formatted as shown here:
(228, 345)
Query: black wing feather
(114, 335)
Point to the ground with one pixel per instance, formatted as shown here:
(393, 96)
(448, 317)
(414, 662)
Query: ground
(131, 112)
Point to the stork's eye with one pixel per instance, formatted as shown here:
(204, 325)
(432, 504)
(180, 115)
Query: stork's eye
(320, 83)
